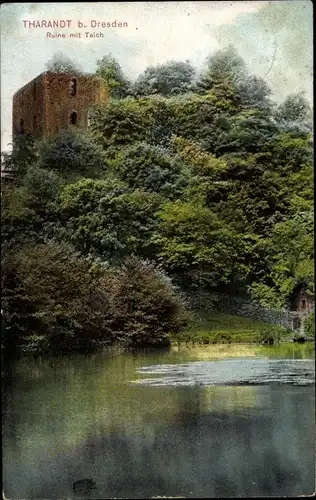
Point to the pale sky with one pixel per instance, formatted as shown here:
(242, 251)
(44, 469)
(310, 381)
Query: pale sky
(274, 38)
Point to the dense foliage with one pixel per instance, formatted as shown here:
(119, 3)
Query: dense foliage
(60, 63)
(112, 74)
(194, 179)
(171, 78)
(56, 300)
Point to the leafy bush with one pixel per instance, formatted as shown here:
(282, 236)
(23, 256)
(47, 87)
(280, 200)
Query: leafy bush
(271, 334)
(205, 338)
(55, 301)
(48, 291)
(60, 63)
(197, 246)
(145, 306)
(42, 189)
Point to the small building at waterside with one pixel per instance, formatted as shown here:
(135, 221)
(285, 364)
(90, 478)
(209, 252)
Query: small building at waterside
(301, 304)
(301, 300)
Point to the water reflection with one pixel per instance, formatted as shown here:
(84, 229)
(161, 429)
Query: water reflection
(79, 417)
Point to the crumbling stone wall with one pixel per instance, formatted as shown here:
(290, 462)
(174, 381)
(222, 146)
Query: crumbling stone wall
(46, 105)
(28, 111)
(240, 306)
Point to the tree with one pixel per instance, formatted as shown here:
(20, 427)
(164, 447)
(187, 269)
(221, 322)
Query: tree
(197, 247)
(223, 75)
(104, 219)
(19, 223)
(295, 114)
(30, 210)
(150, 168)
(248, 131)
(206, 119)
(201, 161)
(121, 122)
(111, 72)
(290, 254)
(61, 63)
(298, 190)
(161, 131)
(204, 172)
(42, 189)
(254, 93)
(290, 152)
(72, 154)
(171, 78)
(23, 155)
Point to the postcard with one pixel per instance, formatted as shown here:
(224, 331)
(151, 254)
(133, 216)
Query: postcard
(157, 250)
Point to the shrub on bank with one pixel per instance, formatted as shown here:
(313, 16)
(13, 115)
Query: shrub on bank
(271, 334)
(309, 325)
(222, 338)
(50, 301)
(145, 306)
(53, 300)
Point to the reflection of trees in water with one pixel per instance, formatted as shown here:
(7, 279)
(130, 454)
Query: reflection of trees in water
(211, 455)
(219, 455)
(140, 442)
(206, 454)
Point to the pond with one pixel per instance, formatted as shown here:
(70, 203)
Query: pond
(213, 421)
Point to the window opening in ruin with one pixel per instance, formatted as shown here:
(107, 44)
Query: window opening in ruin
(73, 118)
(34, 91)
(73, 87)
(34, 122)
(21, 126)
(303, 303)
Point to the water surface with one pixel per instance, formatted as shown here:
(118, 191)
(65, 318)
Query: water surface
(214, 421)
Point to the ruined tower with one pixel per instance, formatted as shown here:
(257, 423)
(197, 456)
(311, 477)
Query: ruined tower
(52, 102)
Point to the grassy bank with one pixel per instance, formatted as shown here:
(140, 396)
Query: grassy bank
(218, 328)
